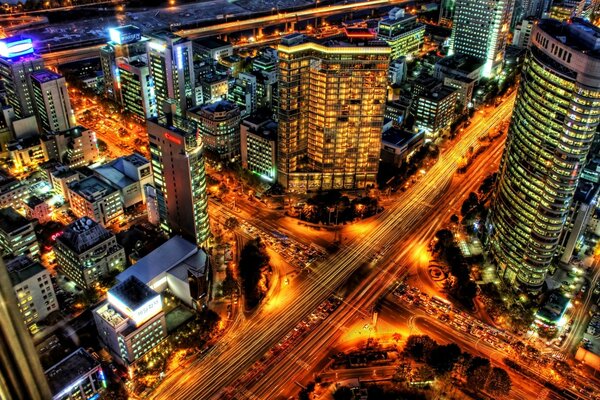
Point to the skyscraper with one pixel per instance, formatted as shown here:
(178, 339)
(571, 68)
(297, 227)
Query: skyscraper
(170, 58)
(556, 115)
(126, 43)
(21, 374)
(480, 29)
(17, 62)
(179, 177)
(136, 88)
(332, 96)
(52, 103)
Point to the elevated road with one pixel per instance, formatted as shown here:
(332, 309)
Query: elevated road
(237, 351)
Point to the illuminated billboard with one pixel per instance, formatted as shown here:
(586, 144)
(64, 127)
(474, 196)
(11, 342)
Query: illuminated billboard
(140, 314)
(124, 35)
(15, 47)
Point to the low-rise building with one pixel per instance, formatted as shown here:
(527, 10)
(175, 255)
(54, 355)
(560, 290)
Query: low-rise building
(77, 376)
(398, 145)
(17, 236)
(26, 153)
(258, 143)
(178, 265)
(212, 48)
(86, 251)
(219, 125)
(75, 147)
(131, 321)
(61, 177)
(462, 65)
(214, 88)
(96, 199)
(12, 191)
(36, 208)
(435, 111)
(402, 32)
(33, 290)
(129, 174)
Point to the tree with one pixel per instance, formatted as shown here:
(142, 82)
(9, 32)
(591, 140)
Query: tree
(232, 223)
(396, 337)
(499, 382)
(478, 372)
(419, 346)
(343, 393)
(252, 262)
(230, 284)
(454, 219)
(442, 358)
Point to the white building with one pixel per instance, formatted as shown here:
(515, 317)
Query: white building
(129, 174)
(33, 290)
(96, 199)
(131, 322)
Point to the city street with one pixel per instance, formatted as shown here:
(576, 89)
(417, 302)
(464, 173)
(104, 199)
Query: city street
(240, 349)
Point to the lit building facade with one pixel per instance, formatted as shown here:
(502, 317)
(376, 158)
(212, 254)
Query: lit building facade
(33, 290)
(435, 111)
(332, 96)
(258, 140)
(17, 236)
(131, 322)
(137, 88)
(86, 252)
(402, 32)
(555, 118)
(481, 29)
(75, 147)
(219, 126)
(17, 62)
(177, 160)
(52, 103)
(77, 376)
(94, 198)
(170, 59)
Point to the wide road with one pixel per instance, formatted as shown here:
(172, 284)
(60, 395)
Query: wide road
(237, 351)
(404, 257)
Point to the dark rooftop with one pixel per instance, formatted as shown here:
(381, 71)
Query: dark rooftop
(461, 62)
(211, 43)
(22, 268)
(10, 220)
(45, 75)
(68, 371)
(83, 234)
(576, 33)
(132, 292)
(400, 137)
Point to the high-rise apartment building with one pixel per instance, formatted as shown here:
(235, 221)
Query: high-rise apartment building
(555, 118)
(481, 29)
(17, 62)
(21, 374)
(332, 96)
(402, 32)
(125, 43)
(177, 159)
(219, 125)
(52, 103)
(170, 58)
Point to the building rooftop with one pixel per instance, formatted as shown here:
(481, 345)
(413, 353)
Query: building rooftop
(341, 40)
(68, 371)
(160, 260)
(220, 106)
(45, 75)
(115, 176)
(265, 127)
(10, 220)
(211, 43)
(576, 33)
(33, 201)
(461, 62)
(400, 137)
(132, 292)
(74, 132)
(22, 268)
(92, 188)
(83, 234)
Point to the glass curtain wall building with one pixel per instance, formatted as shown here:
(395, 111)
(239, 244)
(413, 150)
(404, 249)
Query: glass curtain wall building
(555, 118)
(331, 107)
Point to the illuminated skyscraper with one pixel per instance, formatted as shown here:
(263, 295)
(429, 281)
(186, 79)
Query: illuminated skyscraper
(331, 107)
(17, 62)
(52, 103)
(179, 177)
(170, 58)
(480, 29)
(126, 43)
(21, 374)
(555, 118)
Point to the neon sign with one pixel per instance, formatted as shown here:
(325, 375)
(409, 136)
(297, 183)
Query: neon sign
(15, 47)
(124, 35)
(172, 139)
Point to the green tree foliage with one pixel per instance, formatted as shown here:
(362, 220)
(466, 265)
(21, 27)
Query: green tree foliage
(252, 261)
(499, 382)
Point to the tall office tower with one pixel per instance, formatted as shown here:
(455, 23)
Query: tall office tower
(170, 58)
(481, 29)
(52, 103)
(125, 42)
(446, 12)
(535, 8)
(332, 96)
(564, 9)
(554, 121)
(21, 374)
(402, 32)
(179, 177)
(136, 88)
(17, 62)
